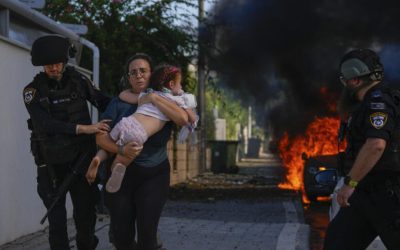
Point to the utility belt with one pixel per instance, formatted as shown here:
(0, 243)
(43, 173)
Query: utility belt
(387, 183)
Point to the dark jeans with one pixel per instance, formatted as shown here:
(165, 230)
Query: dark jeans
(140, 200)
(84, 198)
(373, 211)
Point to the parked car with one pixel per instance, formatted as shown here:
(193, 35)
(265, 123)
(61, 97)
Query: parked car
(312, 179)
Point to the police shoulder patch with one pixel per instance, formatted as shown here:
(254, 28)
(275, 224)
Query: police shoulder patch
(378, 119)
(29, 94)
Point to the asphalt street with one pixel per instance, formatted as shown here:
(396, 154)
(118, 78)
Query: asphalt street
(219, 211)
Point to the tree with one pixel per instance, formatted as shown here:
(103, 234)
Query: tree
(121, 28)
(159, 28)
(229, 107)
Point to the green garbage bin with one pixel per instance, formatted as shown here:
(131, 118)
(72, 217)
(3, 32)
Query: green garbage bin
(223, 156)
(253, 147)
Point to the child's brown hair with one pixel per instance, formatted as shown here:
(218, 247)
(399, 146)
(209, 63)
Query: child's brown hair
(162, 75)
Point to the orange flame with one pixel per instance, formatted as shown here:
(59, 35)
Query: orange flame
(320, 138)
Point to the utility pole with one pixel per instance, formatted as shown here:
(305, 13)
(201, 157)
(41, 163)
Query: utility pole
(250, 122)
(201, 77)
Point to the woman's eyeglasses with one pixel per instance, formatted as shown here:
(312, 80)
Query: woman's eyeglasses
(138, 72)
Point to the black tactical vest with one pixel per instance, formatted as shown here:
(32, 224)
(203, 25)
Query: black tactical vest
(67, 103)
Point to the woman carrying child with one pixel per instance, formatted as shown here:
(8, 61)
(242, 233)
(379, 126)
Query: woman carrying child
(145, 186)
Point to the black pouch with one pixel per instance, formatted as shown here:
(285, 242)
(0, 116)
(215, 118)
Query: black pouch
(45, 188)
(36, 151)
(60, 149)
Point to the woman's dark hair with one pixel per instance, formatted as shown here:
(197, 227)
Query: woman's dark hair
(162, 75)
(142, 56)
(124, 83)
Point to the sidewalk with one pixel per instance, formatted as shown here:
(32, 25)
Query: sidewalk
(223, 216)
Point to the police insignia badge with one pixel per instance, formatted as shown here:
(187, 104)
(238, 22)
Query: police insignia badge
(378, 119)
(29, 94)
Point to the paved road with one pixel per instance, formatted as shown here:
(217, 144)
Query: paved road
(226, 211)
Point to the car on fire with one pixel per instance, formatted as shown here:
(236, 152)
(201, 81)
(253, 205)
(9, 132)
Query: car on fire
(314, 186)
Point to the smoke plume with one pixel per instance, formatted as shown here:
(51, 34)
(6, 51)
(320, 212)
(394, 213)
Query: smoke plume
(285, 53)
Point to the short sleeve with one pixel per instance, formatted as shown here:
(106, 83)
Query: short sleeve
(380, 118)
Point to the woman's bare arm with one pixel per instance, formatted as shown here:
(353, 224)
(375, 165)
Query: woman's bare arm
(130, 150)
(129, 97)
(178, 115)
(191, 115)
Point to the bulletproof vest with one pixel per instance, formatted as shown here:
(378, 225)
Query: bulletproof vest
(65, 102)
(390, 160)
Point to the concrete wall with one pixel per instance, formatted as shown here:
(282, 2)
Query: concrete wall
(20, 208)
(184, 162)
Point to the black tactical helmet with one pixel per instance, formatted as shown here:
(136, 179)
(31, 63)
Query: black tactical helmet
(51, 49)
(361, 63)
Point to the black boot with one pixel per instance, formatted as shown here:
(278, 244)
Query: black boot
(82, 246)
(132, 246)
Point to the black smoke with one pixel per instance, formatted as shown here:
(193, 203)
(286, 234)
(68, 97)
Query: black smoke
(281, 52)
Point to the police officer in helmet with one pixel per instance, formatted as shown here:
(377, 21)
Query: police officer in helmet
(370, 198)
(62, 139)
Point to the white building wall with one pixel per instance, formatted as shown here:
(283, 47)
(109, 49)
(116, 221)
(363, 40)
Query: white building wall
(20, 206)
(220, 129)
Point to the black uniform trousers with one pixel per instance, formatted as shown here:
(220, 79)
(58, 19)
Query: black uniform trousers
(84, 198)
(374, 211)
(140, 200)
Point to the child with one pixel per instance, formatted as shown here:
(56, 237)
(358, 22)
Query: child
(146, 121)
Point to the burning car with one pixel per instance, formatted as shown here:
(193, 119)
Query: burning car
(315, 183)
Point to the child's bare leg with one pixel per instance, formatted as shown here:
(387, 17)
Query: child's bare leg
(117, 174)
(122, 160)
(94, 165)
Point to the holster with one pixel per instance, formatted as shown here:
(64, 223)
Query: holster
(47, 179)
(36, 150)
(43, 167)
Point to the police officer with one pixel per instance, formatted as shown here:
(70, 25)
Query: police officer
(62, 139)
(370, 198)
